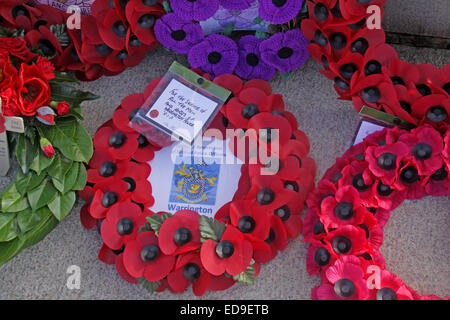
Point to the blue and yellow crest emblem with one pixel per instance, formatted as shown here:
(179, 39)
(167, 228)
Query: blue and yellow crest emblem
(195, 183)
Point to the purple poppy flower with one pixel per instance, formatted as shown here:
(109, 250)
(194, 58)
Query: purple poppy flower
(177, 34)
(198, 10)
(279, 11)
(216, 55)
(236, 4)
(285, 51)
(250, 64)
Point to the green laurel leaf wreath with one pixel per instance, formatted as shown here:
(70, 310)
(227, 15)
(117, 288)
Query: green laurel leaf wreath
(44, 189)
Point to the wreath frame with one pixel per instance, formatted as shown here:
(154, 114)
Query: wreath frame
(266, 227)
(367, 71)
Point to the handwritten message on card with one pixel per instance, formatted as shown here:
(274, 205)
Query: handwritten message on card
(181, 110)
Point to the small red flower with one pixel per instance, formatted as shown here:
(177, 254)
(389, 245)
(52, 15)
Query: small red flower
(18, 48)
(391, 288)
(180, 233)
(277, 241)
(121, 224)
(143, 257)
(120, 145)
(426, 145)
(268, 192)
(62, 108)
(107, 194)
(248, 103)
(142, 19)
(189, 269)
(346, 240)
(232, 254)
(342, 209)
(252, 221)
(48, 151)
(384, 161)
(318, 259)
(346, 281)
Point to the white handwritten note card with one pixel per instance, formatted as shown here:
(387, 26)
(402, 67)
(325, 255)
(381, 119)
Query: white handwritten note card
(182, 111)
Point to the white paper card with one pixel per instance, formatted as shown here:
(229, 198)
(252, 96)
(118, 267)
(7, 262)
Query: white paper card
(181, 111)
(196, 181)
(365, 129)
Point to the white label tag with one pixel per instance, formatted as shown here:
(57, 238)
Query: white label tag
(4, 154)
(181, 111)
(202, 180)
(366, 128)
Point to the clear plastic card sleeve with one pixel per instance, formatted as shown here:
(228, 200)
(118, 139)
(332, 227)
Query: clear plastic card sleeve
(180, 108)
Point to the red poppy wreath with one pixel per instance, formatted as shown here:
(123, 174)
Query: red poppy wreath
(116, 35)
(353, 200)
(171, 250)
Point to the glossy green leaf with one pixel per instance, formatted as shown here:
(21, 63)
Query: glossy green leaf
(211, 228)
(7, 229)
(42, 195)
(24, 152)
(65, 183)
(11, 248)
(71, 139)
(28, 182)
(62, 204)
(80, 183)
(40, 162)
(12, 200)
(27, 219)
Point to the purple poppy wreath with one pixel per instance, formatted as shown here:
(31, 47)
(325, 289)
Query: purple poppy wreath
(257, 56)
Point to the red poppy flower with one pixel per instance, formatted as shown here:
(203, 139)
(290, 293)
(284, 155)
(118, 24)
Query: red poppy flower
(391, 288)
(289, 214)
(220, 283)
(45, 40)
(126, 111)
(342, 209)
(386, 197)
(107, 255)
(107, 194)
(18, 13)
(375, 91)
(86, 219)
(347, 240)
(121, 224)
(144, 258)
(112, 29)
(180, 233)
(230, 82)
(313, 229)
(409, 178)
(139, 187)
(346, 278)
(271, 131)
(48, 16)
(103, 166)
(232, 254)
(142, 19)
(268, 192)
(433, 109)
(384, 161)
(189, 269)
(277, 241)
(430, 80)
(318, 259)
(248, 103)
(121, 145)
(426, 145)
(325, 188)
(122, 272)
(252, 221)
(357, 174)
(333, 174)
(374, 233)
